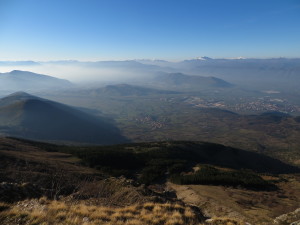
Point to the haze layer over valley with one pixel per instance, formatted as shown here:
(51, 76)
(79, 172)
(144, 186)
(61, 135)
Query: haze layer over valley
(227, 101)
(259, 74)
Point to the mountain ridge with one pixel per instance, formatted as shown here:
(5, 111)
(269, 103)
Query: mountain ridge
(181, 80)
(28, 116)
(18, 80)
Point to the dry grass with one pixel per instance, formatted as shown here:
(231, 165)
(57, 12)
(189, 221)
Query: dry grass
(46, 212)
(224, 221)
(251, 206)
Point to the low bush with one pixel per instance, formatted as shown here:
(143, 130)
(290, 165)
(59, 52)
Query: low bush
(209, 175)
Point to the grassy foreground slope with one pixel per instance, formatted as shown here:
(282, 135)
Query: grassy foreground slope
(82, 185)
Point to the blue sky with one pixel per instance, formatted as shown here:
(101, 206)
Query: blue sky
(135, 29)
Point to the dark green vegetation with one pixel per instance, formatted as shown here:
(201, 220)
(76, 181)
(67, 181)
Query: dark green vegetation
(27, 116)
(209, 175)
(153, 162)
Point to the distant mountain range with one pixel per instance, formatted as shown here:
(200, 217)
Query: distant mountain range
(281, 73)
(125, 90)
(184, 81)
(17, 80)
(259, 74)
(160, 84)
(19, 63)
(26, 116)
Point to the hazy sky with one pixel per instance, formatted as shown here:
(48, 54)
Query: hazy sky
(131, 29)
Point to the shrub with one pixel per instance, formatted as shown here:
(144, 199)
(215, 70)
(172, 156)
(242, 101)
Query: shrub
(211, 176)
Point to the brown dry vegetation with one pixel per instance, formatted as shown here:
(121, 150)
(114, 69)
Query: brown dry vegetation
(50, 212)
(251, 206)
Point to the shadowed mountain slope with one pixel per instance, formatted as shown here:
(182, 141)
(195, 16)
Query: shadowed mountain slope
(165, 155)
(31, 117)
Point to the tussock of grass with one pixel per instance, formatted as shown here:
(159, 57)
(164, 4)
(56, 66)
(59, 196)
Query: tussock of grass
(48, 212)
(224, 221)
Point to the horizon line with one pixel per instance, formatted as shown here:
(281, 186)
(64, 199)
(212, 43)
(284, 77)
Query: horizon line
(203, 58)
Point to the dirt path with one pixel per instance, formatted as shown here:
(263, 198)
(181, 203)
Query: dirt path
(208, 204)
(185, 194)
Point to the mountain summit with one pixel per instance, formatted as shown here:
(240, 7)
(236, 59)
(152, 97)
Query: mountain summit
(27, 116)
